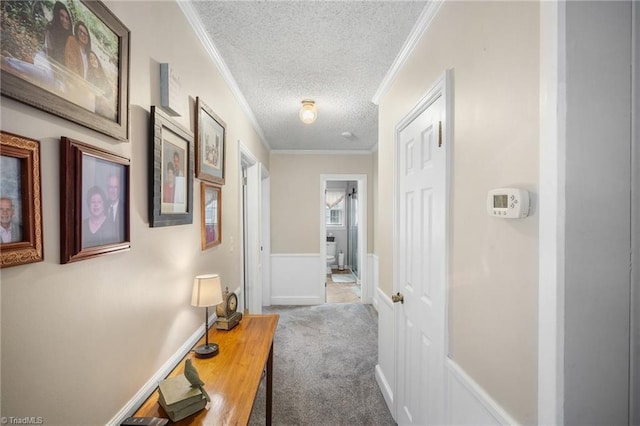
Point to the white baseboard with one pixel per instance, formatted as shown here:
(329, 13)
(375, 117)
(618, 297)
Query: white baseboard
(468, 403)
(151, 385)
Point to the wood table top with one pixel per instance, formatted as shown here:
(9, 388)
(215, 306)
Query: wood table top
(232, 377)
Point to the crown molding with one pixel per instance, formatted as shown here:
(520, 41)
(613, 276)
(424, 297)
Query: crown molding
(214, 54)
(319, 152)
(424, 21)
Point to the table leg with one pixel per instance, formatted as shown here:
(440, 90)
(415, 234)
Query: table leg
(269, 385)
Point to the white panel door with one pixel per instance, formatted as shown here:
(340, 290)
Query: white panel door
(421, 267)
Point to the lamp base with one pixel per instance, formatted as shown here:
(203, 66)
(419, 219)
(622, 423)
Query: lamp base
(206, 351)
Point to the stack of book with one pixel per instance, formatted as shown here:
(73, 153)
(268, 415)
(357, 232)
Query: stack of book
(179, 399)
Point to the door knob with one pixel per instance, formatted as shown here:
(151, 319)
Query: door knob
(397, 298)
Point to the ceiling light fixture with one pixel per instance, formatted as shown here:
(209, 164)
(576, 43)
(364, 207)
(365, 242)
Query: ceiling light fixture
(308, 112)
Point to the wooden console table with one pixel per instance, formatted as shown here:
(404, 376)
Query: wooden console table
(232, 377)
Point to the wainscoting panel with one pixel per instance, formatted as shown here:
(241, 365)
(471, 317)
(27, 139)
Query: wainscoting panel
(370, 284)
(297, 279)
(468, 404)
(385, 369)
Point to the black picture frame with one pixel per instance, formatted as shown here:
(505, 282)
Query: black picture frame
(20, 200)
(210, 144)
(88, 227)
(53, 75)
(170, 203)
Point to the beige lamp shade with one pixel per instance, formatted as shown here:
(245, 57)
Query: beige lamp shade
(207, 290)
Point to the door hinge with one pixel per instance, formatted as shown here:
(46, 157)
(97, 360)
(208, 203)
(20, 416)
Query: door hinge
(244, 181)
(439, 134)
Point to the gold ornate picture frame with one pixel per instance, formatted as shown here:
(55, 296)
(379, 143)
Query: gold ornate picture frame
(20, 201)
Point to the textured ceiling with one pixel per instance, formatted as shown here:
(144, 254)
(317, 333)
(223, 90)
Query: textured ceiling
(334, 52)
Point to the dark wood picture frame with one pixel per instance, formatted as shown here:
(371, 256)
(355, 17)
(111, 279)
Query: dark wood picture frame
(86, 174)
(99, 99)
(21, 184)
(170, 198)
(211, 215)
(210, 135)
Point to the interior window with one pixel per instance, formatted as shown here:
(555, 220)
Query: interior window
(334, 207)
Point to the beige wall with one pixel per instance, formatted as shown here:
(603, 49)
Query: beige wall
(79, 340)
(295, 197)
(493, 50)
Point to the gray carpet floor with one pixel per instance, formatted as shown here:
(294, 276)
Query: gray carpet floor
(324, 361)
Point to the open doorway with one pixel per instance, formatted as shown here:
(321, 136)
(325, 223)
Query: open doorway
(343, 238)
(254, 202)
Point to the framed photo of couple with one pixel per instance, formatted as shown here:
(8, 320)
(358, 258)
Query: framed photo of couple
(69, 58)
(210, 144)
(94, 202)
(171, 172)
(20, 201)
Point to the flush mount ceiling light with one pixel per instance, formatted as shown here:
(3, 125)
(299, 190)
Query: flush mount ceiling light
(308, 112)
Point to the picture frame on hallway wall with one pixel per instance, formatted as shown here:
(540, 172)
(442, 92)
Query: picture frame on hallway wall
(210, 144)
(20, 201)
(69, 58)
(94, 202)
(211, 215)
(171, 172)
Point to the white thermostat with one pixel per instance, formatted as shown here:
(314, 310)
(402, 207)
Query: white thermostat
(508, 203)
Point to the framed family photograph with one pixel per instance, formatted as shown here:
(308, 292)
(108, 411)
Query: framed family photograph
(171, 172)
(211, 213)
(210, 144)
(69, 58)
(94, 202)
(20, 201)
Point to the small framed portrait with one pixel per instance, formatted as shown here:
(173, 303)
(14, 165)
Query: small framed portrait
(211, 213)
(210, 144)
(171, 164)
(94, 202)
(69, 58)
(20, 201)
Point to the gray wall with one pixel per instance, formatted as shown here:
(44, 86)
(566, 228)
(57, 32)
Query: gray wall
(598, 186)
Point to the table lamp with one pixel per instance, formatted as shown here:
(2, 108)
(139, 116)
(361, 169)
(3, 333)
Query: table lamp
(207, 291)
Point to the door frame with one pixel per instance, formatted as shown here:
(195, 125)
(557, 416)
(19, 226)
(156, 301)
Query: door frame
(442, 88)
(366, 287)
(265, 204)
(251, 233)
